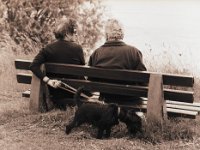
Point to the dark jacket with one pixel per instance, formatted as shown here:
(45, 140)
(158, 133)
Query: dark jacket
(117, 55)
(60, 51)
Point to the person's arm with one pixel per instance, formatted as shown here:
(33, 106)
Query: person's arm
(140, 65)
(82, 58)
(90, 61)
(91, 64)
(39, 59)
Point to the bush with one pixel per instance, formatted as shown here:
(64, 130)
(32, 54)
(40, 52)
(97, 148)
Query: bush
(31, 23)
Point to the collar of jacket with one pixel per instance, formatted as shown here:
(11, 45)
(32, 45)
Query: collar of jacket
(114, 43)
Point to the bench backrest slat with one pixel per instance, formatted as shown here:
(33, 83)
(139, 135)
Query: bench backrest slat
(24, 78)
(120, 75)
(169, 94)
(108, 87)
(123, 75)
(22, 64)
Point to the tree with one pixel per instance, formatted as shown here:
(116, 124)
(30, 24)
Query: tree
(31, 22)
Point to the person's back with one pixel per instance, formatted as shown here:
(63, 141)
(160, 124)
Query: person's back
(115, 54)
(64, 50)
(61, 51)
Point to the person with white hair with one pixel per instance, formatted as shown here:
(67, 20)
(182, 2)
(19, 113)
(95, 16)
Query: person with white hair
(115, 54)
(63, 50)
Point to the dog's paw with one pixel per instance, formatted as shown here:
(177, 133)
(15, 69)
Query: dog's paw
(99, 137)
(67, 130)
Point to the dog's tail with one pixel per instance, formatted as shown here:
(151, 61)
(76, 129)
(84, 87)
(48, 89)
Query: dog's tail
(78, 95)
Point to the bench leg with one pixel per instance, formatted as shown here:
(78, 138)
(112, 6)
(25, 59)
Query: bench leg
(38, 94)
(156, 107)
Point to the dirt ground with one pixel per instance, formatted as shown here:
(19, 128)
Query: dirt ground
(22, 130)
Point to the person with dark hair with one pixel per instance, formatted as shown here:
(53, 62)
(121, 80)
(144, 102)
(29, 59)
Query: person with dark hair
(115, 54)
(63, 50)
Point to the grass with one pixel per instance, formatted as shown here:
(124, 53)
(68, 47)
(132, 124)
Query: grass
(22, 129)
(171, 130)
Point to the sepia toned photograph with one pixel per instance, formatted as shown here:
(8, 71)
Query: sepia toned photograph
(99, 74)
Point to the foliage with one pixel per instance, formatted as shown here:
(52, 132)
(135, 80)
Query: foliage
(31, 22)
(2, 9)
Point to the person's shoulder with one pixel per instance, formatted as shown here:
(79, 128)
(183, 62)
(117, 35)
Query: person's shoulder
(130, 46)
(51, 44)
(99, 49)
(74, 44)
(133, 48)
(96, 52)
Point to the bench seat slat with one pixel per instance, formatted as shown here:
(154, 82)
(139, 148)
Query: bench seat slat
(172, 109)
(184, 112)
(144, 105)
(169, 104)
(26, 94)
(194, 104)
(190, 108)
(184, 107)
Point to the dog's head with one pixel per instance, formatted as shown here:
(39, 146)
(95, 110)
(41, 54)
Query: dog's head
(131, 119)
(127, 115)
(123, 114)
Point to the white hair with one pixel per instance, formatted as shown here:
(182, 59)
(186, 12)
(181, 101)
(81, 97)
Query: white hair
(114, 30)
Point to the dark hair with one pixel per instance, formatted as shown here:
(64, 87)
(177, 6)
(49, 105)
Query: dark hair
(72, 27)
(65, 26)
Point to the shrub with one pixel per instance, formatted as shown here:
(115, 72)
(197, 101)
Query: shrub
(31, 23)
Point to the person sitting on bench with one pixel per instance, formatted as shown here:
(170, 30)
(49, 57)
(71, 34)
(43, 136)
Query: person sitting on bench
(115, 54)
(63, 50)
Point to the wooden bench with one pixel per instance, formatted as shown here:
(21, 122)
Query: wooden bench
(165, 95)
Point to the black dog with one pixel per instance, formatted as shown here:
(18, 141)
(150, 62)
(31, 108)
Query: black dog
(99, 115)
(131, 119)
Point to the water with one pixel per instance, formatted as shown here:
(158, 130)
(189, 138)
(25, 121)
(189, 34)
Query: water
(171, 26)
